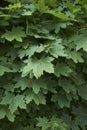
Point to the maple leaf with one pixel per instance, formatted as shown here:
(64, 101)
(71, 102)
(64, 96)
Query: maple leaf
(61, 99)
(53, 123)
(59, 15)
(36, 85)
(38, 66)
(62, 69)
(56, 49)
(80, 41)
(30, 51)
(10, 116)
(2, 113)
(57, 123)
(67, 85)
(75, 56)
(38, 99)
(16, 33)
(22, 83)
(43, 122)
(28, 10)
(17, 101)
(14, 102)
(29, 97)
(7, 99)
(83, 91)
(4, 69)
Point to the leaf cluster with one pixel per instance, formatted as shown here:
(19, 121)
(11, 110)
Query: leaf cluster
(43, 64)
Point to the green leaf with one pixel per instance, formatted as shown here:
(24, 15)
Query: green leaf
(38, 99)
(7, 99)
(42, 98)
(62, 69)
(28, 9)
(14, 6)
(80, 41)
(67, 85)
(2, 113)
(53, 123)
(59, 15)
(4, 69)
(40, 5)
(56, 49)
(51, 3)
(43, 123)
(57, 123)
(37, 85)
(61, 99)
(17, 101)
(71, 123)
(22, 83)
(75, 56)
(10, 116)
(33, 64)
(29, 97)
(31, 51)
(16, 33)
(83, 91)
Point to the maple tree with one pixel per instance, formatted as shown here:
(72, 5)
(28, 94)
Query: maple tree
(43, 65)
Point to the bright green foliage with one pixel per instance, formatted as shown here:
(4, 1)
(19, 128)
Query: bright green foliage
(43, 64)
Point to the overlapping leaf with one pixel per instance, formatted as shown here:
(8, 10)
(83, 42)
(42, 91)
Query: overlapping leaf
(16, 33)
(38, 66)
(43, 61)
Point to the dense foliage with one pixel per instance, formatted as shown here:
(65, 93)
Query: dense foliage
(43, 64)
